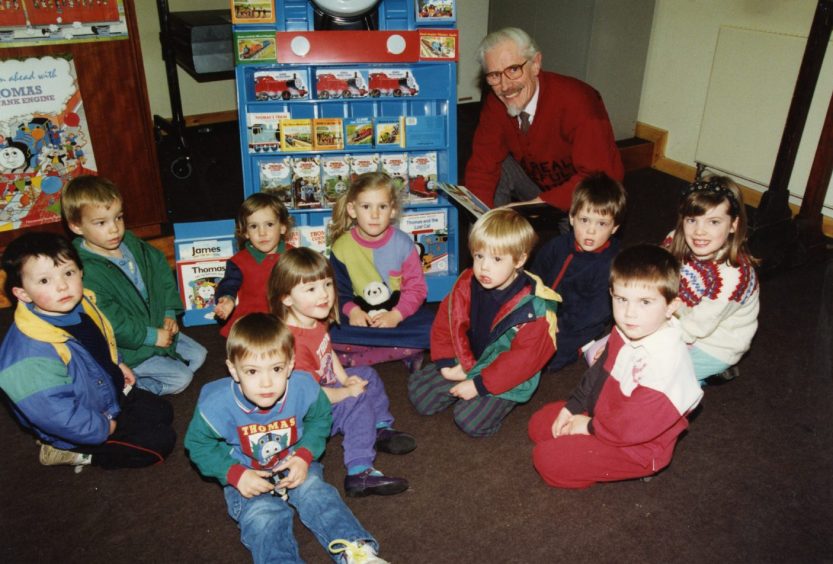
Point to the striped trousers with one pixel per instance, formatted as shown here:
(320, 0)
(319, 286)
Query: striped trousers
(478, 417)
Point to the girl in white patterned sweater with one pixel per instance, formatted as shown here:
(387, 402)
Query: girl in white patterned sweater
(718, 284)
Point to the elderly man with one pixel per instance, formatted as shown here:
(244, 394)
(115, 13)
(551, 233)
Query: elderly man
(540, 133)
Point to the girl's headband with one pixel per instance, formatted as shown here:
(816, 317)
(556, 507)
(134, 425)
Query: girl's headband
(714, 186)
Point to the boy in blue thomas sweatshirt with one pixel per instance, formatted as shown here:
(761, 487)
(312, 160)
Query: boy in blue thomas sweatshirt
(577, 265)
(259, 433)
(60, 368)
(135, 287)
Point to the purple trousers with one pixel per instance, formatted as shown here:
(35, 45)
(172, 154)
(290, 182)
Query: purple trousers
(358, 418)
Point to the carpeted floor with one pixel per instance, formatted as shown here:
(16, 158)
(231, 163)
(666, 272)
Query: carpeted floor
(751, 481)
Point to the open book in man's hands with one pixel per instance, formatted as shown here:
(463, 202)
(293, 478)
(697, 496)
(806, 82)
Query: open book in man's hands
(465, 198)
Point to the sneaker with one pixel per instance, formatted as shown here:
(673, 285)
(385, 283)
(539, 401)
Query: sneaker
(358, 552)
(51, 456)
(373, 482)
(726, 376)
(392, 441)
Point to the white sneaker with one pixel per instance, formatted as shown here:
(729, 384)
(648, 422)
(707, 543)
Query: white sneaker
(355, 552)
(51, 456)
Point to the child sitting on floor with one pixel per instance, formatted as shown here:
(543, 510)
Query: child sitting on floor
(134, 287)
(624, 418)
(378, 274)
(60, 368)
(577, 265)
(303, 295)
(260, 432)
(493, 333)
(719, 288)
(262, 223)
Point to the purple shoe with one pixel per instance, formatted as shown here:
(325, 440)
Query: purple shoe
(373, 482)
(392, 441)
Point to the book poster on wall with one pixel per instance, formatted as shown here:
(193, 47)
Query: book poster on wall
(36, 22)
(44, 139)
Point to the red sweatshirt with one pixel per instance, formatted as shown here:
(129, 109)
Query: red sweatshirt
(570, 137)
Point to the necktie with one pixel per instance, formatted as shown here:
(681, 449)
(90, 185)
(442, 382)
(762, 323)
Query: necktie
(524, 122)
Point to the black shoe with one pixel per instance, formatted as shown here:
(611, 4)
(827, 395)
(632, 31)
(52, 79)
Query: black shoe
(372, 482)
(392, 441)
(726, 376)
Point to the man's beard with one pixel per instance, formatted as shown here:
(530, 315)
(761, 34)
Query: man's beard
(513, 110)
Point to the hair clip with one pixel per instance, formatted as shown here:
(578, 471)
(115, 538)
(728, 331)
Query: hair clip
(714, 186)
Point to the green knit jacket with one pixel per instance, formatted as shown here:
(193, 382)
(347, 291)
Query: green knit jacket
(129, 314)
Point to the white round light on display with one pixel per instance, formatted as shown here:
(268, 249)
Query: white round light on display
(300, 46)
(396, 44)
(345, 8)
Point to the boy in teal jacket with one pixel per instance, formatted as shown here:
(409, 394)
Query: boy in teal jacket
(134, 285)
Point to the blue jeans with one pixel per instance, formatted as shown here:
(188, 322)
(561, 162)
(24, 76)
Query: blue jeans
(265, 520)
(166, 375)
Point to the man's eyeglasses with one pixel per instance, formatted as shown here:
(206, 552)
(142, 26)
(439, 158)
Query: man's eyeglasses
(512, 72)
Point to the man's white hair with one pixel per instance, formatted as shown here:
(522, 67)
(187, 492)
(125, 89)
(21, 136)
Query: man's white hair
(526, 45)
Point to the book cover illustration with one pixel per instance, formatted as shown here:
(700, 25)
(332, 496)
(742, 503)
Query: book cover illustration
(39, 22)
(306, 182)
(254, 47)
(44, 139)
(465, 198)
(198, 282)
(422, 174)
(392, 82)
(312, 236)
(276, 178)
(395, 165)
(424, 131)
(363, 163)
(335, 177)
(358, 132)
(340, 83)
(252, 11)
(390, 131)
(438, 44)
(430, 232)
(296, 134)
(435, 11)
(328, 134)
(205, 249)
(280, 85)
(263, 131)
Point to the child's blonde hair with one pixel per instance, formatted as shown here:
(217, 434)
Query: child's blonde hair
(503, 230)
(702, 196)
(647, 265)
(256, 202)
(298, 266)
(87, 190)
(342, 222)
(259, 334)
(601, 194)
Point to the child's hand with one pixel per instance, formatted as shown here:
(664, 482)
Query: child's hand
(298, 469)
(355, 386)
(454, 373)
(254, 482)
(164, 338)
(561, 424)
(359, 317)
(464, 390)
(224, 307)
(578, 425)
(129, 377)
(112, 427)
(171, 325)
(386, 319)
